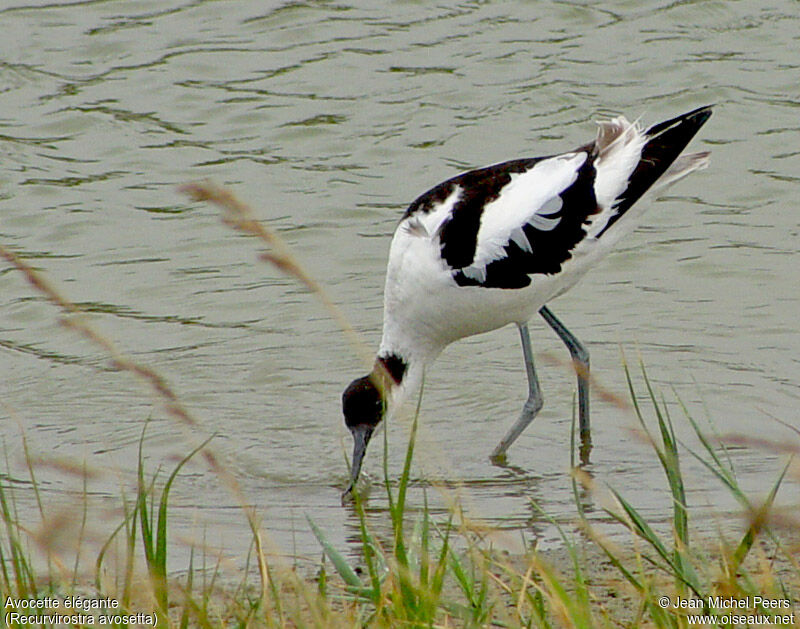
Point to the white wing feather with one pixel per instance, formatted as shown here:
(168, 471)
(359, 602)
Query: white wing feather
(531, 197)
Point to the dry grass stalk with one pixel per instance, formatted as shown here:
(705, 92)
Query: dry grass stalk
(241, 217)
(162, 391)
(598, 388)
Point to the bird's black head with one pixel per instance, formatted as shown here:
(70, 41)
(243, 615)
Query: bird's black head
(363, 404)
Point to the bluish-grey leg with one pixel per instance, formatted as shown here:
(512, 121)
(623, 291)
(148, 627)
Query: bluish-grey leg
(580, 358)
(532, 405)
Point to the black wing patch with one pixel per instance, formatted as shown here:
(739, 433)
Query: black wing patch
(459, 233)
(549, 249)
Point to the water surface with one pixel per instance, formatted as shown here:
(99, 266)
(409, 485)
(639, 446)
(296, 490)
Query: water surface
(329, 118)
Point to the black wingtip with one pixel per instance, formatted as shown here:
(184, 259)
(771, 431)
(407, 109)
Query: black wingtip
(691, 121)
(666, 141)
(701, 114)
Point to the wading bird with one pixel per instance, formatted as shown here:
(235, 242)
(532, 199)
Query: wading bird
(493, 246)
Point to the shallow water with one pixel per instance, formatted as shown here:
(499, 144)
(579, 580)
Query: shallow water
(329, 118)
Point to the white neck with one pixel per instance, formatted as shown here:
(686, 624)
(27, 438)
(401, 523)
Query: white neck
(406, 340)
(411, 379)
(407, 389)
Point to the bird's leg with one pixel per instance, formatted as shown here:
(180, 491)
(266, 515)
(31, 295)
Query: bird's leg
(580, 359)
(532, 405)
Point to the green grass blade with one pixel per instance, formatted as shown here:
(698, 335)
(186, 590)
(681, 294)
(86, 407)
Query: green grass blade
(398, 510)
(578, 603)
(758, 519)
(23, 582)
(638, 525)
(340, 563)
(184, 621)
(371, 552)
(719, 469)
(671, 464)
(437, 582)
(101, 555)
(161, 524)
(141, 504)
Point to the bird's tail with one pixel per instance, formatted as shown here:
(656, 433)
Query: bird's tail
(660, 160)
(681, 167)
(630, 161)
